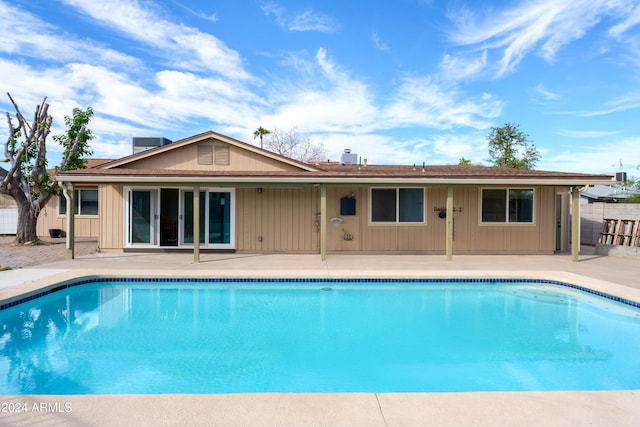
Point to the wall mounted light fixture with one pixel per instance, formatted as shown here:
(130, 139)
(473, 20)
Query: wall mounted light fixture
(336, 221)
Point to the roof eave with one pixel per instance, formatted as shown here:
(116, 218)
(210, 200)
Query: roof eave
(150, 179)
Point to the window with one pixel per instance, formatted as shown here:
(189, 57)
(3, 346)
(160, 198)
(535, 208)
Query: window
(506, 205)
(86, 203)
(397, 205)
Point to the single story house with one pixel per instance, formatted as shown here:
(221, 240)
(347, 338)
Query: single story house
(212, 192)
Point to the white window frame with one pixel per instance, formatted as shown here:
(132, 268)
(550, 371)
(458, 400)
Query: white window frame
(77, 200)
(534, 201)
(397, 207)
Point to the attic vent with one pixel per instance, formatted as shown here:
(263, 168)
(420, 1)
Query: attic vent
(205, 154)
(222, 155)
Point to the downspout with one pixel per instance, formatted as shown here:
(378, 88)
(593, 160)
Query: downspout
(67, 191)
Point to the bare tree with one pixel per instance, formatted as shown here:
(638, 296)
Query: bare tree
(295, 146)
(27, 180)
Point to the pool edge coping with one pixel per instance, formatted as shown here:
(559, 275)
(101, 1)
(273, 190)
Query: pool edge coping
(30, 290)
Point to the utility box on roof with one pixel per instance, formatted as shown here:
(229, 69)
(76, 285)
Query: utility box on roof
(146, 143)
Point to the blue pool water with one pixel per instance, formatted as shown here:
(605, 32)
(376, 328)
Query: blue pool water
(317, 336)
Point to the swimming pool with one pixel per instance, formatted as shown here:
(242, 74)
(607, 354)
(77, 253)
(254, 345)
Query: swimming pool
(130, 336)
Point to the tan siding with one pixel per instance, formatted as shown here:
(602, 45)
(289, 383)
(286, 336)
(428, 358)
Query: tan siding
(111, 217)
(473, 237)
(437, 198)
(285, 218)
(282, 217)
(85, 226)
(186, 158)
(469, 235)
(350, 224)
(546, 218)
(369, 237)
(49, 218)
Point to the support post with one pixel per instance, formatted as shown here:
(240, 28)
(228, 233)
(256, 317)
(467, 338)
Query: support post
(575, 224)
(67, 190)
(323, 222)
(196, 224)
(449, 223)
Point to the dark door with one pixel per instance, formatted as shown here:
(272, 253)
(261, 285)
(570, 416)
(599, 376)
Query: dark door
(169, 200)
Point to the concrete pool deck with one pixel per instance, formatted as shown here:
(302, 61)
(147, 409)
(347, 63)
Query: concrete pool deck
(617, 276)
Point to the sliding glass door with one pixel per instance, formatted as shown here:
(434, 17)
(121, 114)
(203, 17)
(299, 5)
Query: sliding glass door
(219, 217)
(163, 217)
(141, 217)
(188, 216)
(216, 219)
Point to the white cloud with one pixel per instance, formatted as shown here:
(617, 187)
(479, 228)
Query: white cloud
(458, 67)
(442, 149)
(186, 47)
(316, 94)
(633, 19)
(585, 133)
(603, 157)
(312, 21)
(23, 34)
(212, 17)
(101, 148)
(543, 25)
(545, 93)
(327, 99)
(308, 20)
(630, 101)
(422, 101)
(378, 44)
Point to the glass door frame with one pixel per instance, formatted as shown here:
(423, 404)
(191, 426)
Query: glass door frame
(154, 208)
(205, 200)
(153, 217)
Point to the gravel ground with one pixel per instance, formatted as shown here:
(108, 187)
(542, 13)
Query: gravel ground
(50, 250)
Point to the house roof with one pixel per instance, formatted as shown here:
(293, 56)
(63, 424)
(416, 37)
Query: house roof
(326, 173)
(608, 192)
(122, 162)
(124, 170)
(88, 163)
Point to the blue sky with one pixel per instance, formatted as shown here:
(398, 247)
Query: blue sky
(398, 82)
